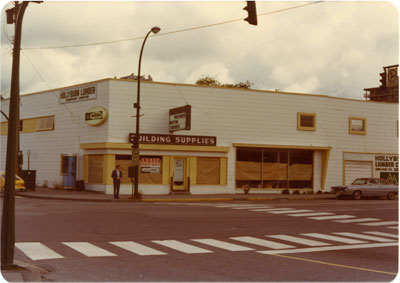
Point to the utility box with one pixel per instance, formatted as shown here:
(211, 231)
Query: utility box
(29, 176)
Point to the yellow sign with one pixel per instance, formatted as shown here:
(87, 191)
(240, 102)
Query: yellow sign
(96, 116)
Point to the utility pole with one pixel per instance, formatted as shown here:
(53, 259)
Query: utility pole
(14, 16)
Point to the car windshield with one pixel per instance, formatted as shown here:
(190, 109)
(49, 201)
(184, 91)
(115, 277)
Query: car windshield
(360, 181)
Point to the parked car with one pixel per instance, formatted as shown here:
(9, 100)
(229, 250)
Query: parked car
(367, 187)
(19, 183)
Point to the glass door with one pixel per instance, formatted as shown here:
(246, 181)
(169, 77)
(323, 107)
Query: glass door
(179, 177)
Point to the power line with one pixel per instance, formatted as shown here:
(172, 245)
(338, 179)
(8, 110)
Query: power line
(171, 32)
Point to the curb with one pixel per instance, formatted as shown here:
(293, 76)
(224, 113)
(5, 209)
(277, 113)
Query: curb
(194, 199)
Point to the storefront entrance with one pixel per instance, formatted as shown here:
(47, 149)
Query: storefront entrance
(179, 177)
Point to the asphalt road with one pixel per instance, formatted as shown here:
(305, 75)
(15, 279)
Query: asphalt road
(269, 241)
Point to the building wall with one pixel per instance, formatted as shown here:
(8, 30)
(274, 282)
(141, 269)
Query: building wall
(70, 129)
(235, 116)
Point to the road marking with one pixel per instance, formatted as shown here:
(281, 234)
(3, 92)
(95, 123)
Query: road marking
(380, 223)
(137, 248)
(37, 251)
(393, 227)
(331, 248)
(365, 237)
(298, 240)
(88, 249)
(223, 245)
(334, 238)
(382, 234)
(272, 209)
(331, 217)
(182, 247)
(338, 265)
(357, 220)
(262, 242)
(251, 207)
(311, 214)
(289, 211)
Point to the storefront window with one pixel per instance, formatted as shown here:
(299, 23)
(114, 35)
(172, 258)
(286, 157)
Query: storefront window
(248, 168)
(150, 171)
(274, 168)
(96, 164)
(208, 171)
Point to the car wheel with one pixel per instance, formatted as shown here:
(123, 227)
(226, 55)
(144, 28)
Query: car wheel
(357, 195)
(391, 195)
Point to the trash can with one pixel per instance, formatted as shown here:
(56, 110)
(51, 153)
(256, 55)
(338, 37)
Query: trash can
(80, 185)
(29, 176)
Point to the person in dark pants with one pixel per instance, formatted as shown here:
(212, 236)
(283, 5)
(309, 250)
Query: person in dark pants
(117, 176)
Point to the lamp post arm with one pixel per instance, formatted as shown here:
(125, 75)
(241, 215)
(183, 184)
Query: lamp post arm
(138, 93)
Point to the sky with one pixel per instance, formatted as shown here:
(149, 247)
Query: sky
(328, 47)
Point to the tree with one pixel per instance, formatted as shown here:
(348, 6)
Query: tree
(210, 81)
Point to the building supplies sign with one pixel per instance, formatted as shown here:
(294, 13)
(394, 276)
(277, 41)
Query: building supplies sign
(78, 94)
(175, 139)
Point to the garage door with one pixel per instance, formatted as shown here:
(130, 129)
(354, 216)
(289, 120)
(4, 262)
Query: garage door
(357, 169)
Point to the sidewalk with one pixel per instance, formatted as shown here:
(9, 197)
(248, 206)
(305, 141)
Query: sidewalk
(72, 195)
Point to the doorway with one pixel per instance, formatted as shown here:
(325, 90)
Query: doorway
(68, 171)
(179, 177)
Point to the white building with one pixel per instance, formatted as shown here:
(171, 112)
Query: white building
(238, 138)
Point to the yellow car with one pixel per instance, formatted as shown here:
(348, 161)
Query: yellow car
(19, 183)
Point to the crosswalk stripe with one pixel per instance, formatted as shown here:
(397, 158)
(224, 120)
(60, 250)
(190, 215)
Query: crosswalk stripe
(273, 209)
(298, 240)
(251, 207)
(137, 248)
(365, 237)
(334, 238)
(289, 211)
(357, 220)
(182, 247)
(88, 249)
(37, 251)
(262, 242)
(223, 245)
(332, 217)
(393, 227)
(380, 223)
(311, 214)
(331, 248)
(382, 234)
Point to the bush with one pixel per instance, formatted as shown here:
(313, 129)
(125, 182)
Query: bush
(285, 192)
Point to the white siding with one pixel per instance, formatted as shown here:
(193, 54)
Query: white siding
(234, 116)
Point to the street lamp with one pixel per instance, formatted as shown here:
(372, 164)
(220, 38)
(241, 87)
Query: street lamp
(135, 146)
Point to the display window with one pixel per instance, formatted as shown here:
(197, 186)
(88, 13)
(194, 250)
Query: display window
(274, 168)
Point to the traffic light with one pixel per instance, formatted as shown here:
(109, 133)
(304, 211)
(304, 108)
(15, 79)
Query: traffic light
(251, 10)
(383, 79)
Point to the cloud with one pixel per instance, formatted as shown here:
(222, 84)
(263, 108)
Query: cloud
(334, 48)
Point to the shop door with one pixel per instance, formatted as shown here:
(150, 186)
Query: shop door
(179, 174)
(69, 171)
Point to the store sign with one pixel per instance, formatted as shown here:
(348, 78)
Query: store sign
(387, 163)
(78, 94)
(174, 139)
(179, 118)
(392, 78)
(96, 116)
(150, 165)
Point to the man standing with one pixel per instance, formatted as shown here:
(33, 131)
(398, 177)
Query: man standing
(117, 176)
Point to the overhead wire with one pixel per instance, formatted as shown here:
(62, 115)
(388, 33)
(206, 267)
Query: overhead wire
(171, 32)
(50, 89)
